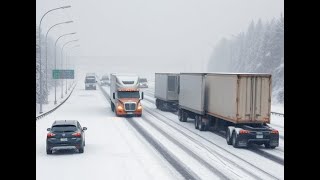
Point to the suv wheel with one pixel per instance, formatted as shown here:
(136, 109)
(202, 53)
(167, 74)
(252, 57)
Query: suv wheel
(81, 149)
(49, 151)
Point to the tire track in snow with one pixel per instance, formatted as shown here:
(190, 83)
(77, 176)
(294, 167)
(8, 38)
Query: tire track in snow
(210, 149)
(176, 164)
(187, 150)
(255, 149)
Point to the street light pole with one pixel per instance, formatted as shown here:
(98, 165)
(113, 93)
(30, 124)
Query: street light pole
(55, 64)
(67, 57)
(41, 94)
(47, 49)
(66, 64)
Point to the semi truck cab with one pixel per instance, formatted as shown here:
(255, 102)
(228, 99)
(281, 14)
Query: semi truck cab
(125, 95)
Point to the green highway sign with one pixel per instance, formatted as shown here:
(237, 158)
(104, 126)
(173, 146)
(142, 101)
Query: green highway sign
(63, 74)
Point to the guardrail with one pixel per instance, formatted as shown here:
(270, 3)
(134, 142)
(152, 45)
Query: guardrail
(46, 113)
(276, 113)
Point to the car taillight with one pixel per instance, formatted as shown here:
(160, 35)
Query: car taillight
(274, 132)
(76, 134)
(50, 135)
(243, 132)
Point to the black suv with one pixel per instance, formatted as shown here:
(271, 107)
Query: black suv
(66, 134)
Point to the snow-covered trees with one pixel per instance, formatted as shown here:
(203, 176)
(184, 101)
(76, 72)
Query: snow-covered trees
(260, 49)
(45, 72)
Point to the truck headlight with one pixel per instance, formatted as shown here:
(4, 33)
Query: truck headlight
(119, 107)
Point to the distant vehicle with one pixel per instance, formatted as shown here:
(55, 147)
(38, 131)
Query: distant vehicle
(90, 81)
(125, 95)
(66, 134)
(143, 83)
(104, 80)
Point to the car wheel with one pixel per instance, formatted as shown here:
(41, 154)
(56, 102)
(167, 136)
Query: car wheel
(49, 151)
(267, 145)
(81, 149)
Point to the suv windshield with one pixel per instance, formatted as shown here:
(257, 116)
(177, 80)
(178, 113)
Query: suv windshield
(128, 94)
(64, 128)
(90, 80)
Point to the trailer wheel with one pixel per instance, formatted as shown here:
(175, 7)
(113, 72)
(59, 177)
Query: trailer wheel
(157, 103)
(228, 138)
(196, 123)
(184, 116)
(201, 125)
(180, 114)
(235, 142)
(160, 104)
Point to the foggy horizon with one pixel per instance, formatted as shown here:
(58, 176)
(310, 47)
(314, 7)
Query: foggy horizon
(171, 35)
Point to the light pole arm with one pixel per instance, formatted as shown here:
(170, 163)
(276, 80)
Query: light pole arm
(63, 7)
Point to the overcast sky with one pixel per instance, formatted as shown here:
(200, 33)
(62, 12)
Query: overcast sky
(158, 35)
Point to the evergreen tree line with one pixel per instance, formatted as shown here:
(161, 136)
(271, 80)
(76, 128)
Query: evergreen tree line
(259, 50)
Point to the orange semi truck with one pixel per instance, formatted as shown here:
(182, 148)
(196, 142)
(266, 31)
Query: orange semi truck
(125, 95)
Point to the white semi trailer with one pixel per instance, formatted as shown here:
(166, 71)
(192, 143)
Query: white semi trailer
(238, 104)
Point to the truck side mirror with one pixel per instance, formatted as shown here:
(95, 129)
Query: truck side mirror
(141, 95)
(114, 95)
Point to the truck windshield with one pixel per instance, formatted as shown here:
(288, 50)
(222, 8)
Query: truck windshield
(143, 80)
(128, 94)
(90, 80)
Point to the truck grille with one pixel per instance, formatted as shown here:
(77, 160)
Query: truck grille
(130, 106)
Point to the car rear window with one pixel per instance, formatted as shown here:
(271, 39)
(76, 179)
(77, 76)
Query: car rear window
(64, 128)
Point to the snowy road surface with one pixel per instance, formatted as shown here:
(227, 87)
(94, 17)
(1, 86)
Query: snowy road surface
(114, 150)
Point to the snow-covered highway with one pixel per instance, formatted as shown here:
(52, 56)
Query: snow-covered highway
(155, 146)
